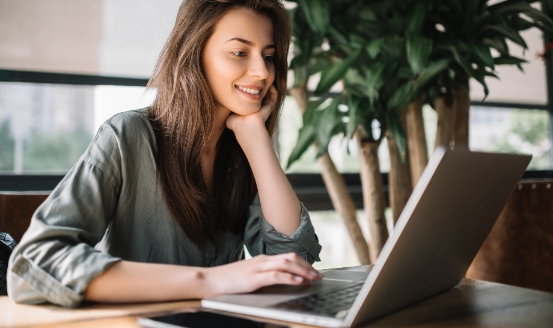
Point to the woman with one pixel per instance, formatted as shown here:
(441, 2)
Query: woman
(162, 202)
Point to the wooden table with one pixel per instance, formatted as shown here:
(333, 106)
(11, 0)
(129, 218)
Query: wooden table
(470, 304)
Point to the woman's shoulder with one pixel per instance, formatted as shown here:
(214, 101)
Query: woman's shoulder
(129, 125)
(126, 132)
(137, 118)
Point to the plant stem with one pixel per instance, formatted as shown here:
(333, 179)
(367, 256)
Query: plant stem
(336, 186)
(373, 194)
(416, 140)
(399, 181)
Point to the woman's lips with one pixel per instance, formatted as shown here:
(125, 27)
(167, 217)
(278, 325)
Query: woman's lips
(251, 92)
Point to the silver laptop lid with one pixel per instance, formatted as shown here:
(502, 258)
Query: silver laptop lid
(447, 218)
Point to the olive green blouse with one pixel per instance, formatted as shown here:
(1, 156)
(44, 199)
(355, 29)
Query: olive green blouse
(110, 207)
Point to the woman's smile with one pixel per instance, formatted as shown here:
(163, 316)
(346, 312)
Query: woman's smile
(252, 92)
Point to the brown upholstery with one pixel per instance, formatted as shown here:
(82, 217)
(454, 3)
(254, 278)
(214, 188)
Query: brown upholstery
(16, 210)
(519, 249)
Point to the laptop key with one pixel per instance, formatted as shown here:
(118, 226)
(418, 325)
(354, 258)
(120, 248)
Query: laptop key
(329, 303)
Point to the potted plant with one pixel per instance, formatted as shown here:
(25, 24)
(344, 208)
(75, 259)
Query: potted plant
(391, 58)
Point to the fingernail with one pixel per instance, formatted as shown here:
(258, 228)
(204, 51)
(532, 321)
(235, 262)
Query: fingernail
(298, 278)
(314, 274)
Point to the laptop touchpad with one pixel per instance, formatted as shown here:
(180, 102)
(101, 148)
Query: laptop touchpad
(344, 275)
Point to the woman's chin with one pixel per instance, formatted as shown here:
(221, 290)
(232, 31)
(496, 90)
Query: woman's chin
(246, 111)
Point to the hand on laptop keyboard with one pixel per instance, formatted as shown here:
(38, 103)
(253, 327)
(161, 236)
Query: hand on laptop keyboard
(263, 270)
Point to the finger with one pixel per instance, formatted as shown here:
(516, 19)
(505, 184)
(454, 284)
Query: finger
(294, 266)
(269, 102)
(271, 95)
(277, 277)
(270, 262)
(266, 110)
(296, 258)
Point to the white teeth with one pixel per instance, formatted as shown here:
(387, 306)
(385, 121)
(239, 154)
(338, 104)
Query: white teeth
(250, 91)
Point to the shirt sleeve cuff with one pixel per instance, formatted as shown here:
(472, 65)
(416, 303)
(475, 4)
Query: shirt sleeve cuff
(303, 241)
(40, 287)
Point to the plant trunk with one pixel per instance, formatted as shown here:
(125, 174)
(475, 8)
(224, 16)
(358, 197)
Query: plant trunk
(416, 140)
(445, 110)
(399, 179)
(462, 109)
(344, 205)
(340, 197)
(453, 118)
(373, 194)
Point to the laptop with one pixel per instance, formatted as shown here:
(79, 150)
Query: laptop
(443, 225)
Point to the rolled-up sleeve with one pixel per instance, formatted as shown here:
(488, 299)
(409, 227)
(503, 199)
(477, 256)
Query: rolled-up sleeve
(263, 238)
(56, 259)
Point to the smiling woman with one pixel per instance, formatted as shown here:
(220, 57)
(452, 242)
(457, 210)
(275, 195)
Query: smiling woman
(165, 198)
(240, 69)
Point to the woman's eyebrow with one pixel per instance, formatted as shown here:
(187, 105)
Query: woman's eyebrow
(249, 43)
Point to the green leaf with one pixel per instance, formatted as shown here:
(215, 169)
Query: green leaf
(355, 116)
(416, 16)
(467, 67)
(509, 60)
(378, 73)
(479, 75)
(366, 13)
(521, 24)
(337, 36)
(482, 53)
(393, 47)
(418, 51)
(374, 47)
(496, 43)
(330, 118)
(429, 73)
(491, 74)
(357, 41)
(458, 58)
(502, 32)
(539, 16)
(509, 7)
(306, 137)
(394, 125)
(303, 50)
(317, 14)
(355, 84)
(308, 132)
(401, 97)
(318, 63)
(334, 73)
(310, 113)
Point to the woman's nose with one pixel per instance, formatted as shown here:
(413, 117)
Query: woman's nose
(259, 68)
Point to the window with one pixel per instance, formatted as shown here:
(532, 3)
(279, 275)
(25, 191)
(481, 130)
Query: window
(45, 128)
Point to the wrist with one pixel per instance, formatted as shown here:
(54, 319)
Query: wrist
(207, 286)
(253, 138)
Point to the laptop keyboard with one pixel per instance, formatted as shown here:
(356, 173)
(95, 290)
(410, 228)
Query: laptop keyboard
(329, 303)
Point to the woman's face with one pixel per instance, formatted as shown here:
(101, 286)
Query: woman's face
(238, 61)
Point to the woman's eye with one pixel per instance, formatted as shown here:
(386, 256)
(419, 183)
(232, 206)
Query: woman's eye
(239, 53)
(268, 58)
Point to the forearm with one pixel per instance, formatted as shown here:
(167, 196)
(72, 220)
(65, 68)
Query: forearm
(147, 282)
(281, 207)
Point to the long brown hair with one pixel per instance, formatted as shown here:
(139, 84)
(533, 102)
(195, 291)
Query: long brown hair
(182, 117)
